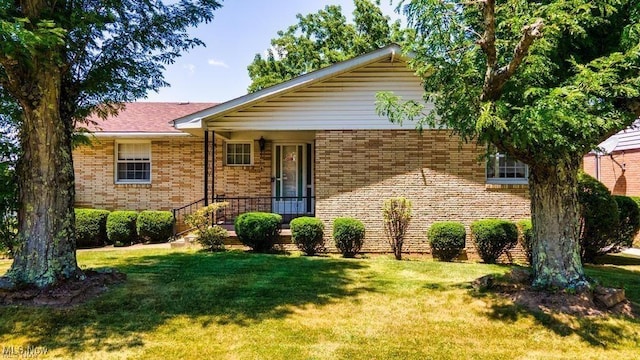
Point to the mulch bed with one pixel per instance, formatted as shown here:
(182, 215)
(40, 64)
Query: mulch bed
(66, 294)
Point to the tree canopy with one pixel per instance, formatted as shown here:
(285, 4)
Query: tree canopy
(59, 62)
(544, 81)
(321, 39)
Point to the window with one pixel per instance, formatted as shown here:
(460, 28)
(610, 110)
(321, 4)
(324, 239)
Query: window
(133, 162)
(239, 153)
(503, 169)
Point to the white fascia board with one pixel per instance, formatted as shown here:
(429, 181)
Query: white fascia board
(137, 135)
(293, 84)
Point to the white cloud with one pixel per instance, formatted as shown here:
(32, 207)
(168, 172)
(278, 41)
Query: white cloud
(218, 63)
(191, 68)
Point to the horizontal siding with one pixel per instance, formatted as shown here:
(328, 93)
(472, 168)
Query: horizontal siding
(628, 139)
(346, 101)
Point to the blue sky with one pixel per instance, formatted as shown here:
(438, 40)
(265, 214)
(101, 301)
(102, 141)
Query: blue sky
(241, 29)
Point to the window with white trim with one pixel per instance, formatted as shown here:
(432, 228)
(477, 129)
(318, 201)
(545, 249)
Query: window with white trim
(133, 163)
(239, 153)
(504, 169)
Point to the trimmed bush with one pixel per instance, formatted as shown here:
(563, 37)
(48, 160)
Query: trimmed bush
(446, 239)
(91, 227)
(212, 238)
(348, 234)
(628, 221)
(121, 227)
(308, 235)
(599, 218)
(492, 237)
(526, 237)
(155, 226)
(396, 213)
(637, 201)
(258, 230)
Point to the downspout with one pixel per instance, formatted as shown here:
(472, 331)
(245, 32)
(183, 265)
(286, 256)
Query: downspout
(213, 165)
(206, 168)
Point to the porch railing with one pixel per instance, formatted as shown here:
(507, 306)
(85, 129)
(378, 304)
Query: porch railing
(290, 207)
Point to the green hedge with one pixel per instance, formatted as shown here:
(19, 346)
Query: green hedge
(637, 201)
(348, 234)
(599, 214)
(91, 227)
(121, 227)
(308, 235)
(155, 226)
(628, 221)
(258, 230)
(492, 237)
(446, 239)
(526, 237)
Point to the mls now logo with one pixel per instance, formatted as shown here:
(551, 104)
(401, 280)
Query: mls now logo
(23, 352)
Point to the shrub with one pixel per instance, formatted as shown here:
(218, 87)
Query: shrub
(8, 232)
(91, 227)
(637, 201)
(629, 221)
(492, 237)
(446, 239)
(209, 235)
(526, 237)
(121, 227)
(396, 213)
(155, 226)
(348, 234)
(308, 235)
(258, 230)
(599, 218)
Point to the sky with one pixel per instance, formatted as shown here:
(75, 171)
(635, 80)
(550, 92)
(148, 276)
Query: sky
(240, 30)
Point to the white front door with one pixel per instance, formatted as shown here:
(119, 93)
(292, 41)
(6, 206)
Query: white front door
(292, 186)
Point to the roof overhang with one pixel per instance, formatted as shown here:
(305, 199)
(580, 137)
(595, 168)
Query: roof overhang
(138, 135)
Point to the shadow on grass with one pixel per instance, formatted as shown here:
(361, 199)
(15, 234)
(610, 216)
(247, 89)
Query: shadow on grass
(594, 330)
(229, 287)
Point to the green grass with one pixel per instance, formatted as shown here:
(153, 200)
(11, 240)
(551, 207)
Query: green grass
(235, 305)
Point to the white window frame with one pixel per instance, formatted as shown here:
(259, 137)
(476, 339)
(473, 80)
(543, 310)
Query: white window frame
(236, 142)
(504, 180)
(117, 161)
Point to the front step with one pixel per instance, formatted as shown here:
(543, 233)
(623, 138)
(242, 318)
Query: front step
(189, 240)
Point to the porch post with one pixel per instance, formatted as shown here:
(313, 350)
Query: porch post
(213, 166)
(206, 168)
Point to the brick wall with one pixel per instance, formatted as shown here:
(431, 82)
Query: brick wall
(176, 176)
(620, 182)
(357, 170)
(244, 181)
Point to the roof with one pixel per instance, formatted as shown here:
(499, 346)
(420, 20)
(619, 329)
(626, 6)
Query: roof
(195, 120)
(146, 117)
(627, 139)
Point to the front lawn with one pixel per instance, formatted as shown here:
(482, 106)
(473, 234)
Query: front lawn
(236, 305)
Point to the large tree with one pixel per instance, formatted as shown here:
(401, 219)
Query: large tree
(321, 39)
(543, 81)
(61, 61)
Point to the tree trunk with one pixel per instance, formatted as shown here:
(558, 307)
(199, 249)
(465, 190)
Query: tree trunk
(46, 250)
(556, 216)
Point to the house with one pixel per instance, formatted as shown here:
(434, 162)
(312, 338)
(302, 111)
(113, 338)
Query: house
(311, 146)
(617, 162)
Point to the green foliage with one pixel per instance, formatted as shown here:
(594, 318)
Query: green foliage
(308, 235)
(212, 238)
(599, 218)
(348, 234)
(258, 230)
(91, 227)
(210, 235)
(525, 228)
(322, 39)
(446, 239)
(155, 226)
(629, 221)
(121, 227)
(8, 189)
(396, 213)
(492, 237)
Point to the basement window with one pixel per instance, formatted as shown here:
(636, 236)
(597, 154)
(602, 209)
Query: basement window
(504, 169)
(133, 163)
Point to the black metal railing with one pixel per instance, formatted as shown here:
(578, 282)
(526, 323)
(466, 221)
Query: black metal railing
(290, 207)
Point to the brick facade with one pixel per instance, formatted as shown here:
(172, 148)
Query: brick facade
(444, 178)
(620, 181)
(176, 176)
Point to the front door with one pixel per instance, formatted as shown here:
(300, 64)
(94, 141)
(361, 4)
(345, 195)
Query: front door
(292, 186)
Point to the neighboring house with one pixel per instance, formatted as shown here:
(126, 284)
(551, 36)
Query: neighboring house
(312, 146)
(617, 162)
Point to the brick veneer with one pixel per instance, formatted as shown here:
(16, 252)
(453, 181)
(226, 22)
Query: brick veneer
(444, 178)
(620, 182)
(176, 176)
